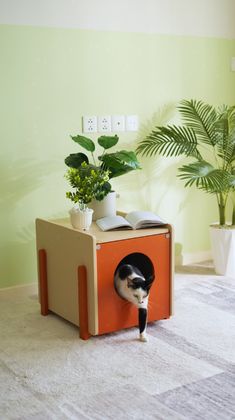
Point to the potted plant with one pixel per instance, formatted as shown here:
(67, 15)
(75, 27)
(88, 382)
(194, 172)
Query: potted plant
(88, 183)
(116, 163)
(207, 137)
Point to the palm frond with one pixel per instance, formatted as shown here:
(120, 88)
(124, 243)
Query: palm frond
(225, 127)
(170, 141)
(200, 117)
(231, 182)
(204, 176)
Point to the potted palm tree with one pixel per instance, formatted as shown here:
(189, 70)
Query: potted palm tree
(207, 137)
(117, 163)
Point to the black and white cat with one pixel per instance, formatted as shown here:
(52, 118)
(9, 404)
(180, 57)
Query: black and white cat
(131, 285)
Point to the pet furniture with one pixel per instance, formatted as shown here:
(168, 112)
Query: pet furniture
(76, 273)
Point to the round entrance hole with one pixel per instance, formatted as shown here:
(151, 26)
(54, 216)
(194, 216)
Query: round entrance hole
(139, 260)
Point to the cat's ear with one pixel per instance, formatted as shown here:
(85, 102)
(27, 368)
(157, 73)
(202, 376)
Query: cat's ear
(149, 281)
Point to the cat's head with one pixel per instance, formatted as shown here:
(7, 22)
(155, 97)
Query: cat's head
(140, 289)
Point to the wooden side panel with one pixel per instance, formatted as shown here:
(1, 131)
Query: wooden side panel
(66, 250)
(115, 313)
(43, 287)
(83, 303)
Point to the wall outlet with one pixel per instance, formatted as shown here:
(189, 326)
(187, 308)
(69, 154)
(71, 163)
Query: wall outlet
(104, 123)
(118, 123)
(90, 124)
(132, 123)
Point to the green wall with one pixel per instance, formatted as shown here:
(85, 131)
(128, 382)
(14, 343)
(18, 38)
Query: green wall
(50, 78)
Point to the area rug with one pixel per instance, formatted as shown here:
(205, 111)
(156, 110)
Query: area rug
(185, 371)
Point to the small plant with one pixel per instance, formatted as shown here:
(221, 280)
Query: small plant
(88, 182)
(208, 137)
(107, 165)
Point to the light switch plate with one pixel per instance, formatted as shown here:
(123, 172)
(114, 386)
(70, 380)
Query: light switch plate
(118, 123)
(132, 123)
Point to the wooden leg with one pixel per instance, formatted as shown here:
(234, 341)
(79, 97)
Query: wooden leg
(82, 303)
(42, 261)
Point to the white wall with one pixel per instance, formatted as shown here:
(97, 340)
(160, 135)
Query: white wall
(213, 18)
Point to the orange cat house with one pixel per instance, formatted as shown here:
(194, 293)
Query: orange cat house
(76, 274)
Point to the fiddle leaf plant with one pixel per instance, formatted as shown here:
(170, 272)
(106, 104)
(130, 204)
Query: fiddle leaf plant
(207, 136)
(115, 164)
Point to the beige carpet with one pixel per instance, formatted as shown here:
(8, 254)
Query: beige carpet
(185, 371)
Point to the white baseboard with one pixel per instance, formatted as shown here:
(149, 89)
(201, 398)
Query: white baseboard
(192, 258)
(22, 290)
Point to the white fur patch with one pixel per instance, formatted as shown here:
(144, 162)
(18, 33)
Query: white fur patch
(136, 296)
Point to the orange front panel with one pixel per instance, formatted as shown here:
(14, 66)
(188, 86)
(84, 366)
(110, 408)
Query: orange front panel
(115, 313)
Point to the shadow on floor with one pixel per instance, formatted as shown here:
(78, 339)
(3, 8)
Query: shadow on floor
(204, 267)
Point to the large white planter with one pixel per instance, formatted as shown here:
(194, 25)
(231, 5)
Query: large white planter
(105, 207)
(223, 250)
(81, 219)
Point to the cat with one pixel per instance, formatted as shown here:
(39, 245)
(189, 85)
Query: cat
(130, 284)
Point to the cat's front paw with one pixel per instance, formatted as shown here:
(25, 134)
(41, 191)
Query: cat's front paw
(144, 338)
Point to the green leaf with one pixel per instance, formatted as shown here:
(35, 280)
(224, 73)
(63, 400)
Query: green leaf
(205, 177)
(200, 117)
(108, 141)
(106, 188)
(170, 141)
(225, 126)
(120, 163)
(84, 142)
(231, 181)
(75, 160)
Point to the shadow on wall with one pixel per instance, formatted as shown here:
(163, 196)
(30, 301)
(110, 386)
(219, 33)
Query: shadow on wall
(148, 187)
(18, 256)
(18, 265)
(178, 254)
(163, 116)
(157, 188)
(139, 188)
(22, 176)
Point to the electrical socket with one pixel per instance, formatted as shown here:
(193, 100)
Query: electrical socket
(118, 123)
(104, 123)
(90, 124)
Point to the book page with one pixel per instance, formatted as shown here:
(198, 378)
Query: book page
(112, 223)
(140, 219)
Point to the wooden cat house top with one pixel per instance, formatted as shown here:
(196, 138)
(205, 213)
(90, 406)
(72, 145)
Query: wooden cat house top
(64, 252)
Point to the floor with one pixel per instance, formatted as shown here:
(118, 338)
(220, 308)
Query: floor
(185, 371)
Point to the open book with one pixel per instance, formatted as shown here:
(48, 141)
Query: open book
(133, 220)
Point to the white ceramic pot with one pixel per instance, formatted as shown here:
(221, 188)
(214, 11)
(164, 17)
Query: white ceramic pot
(223, 250)
(81, 219)
(105, 207)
